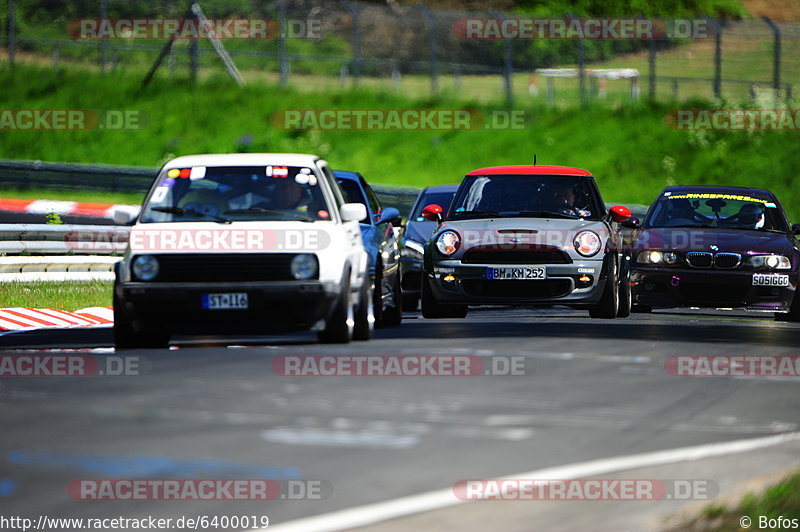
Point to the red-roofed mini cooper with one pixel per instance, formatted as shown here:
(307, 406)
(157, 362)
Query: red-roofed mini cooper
(526, 235)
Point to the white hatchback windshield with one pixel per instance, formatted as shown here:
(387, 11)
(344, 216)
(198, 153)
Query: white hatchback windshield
(236, 193)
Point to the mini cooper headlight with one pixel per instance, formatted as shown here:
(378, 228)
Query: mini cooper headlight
(304, 267)
(145, 267)
(587, 243)
(770, 262)
(448, 243)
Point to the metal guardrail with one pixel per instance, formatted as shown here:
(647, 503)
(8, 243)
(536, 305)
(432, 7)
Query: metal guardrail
(43, 239)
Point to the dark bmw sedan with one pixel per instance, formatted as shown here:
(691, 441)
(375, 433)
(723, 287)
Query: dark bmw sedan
(716, 247)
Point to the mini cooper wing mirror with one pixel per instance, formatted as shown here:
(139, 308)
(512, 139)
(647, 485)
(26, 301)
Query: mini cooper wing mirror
(632, 223)
(353, 212)
(620, 213)
(432, 213)
(389, 214)
(796, 229)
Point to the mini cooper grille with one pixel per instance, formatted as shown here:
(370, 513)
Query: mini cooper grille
(518, 289)
(482, 255)
(210, 267)
(700, 259)
(727, 260)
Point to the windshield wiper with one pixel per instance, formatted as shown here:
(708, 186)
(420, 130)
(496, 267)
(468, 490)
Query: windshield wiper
(261, 210)
(547, 214)
(179, 211)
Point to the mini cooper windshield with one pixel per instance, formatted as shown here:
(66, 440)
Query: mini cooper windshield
(538, 196)
(238, 193)
(722, 209)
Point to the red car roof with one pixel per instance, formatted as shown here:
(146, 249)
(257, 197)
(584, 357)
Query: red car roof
(529, 170)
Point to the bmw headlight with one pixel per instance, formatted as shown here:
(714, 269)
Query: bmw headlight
(657, 257)
(145, 267)
(770, 262)
(304, 267)
(414, 250)
(587, 243)
(448, 243)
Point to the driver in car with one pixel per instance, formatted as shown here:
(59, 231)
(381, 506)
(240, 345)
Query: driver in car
(567, 203)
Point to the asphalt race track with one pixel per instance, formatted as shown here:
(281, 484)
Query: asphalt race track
(591, 389)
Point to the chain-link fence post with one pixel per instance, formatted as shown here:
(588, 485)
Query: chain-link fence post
(283, 59)
(717, 83)
(432, 43)
(652, 67)
(508, 67)
(356, 44)
(12, 33)
(581, 66)
(776, 68)
(103, 42)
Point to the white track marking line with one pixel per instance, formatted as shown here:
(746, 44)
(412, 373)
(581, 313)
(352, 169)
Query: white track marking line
(443, 498)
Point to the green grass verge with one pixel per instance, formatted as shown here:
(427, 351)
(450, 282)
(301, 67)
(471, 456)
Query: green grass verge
(68, 296)
(88, 196)
(782, 499)
(629, 148)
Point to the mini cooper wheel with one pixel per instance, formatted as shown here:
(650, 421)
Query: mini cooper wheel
(432, 309)
(608, 306)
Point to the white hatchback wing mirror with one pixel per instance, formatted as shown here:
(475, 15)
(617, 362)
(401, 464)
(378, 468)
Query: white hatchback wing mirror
(124, 214)
(353, 212)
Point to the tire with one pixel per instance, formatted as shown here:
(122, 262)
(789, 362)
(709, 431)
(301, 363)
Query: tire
(125, 337)
(794, 312)
(392, 316)
(625, 296)
(410, 302)
(431, 309)
(339, 326)
(608, 306)
(364, 316)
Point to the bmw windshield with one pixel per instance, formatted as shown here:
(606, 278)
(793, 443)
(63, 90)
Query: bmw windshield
(721, 209)
(535, 196)
(238, 193)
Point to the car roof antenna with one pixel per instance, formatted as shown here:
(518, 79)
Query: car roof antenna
(534, 159)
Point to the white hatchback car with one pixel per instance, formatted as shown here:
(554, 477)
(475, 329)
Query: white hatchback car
(243, 244)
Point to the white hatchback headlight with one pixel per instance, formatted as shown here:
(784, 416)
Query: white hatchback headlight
(448, 242)
(304, 267)
(145, 267)
(587, 243)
